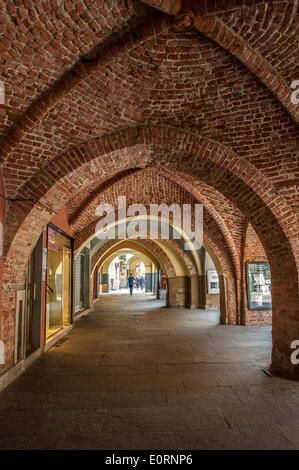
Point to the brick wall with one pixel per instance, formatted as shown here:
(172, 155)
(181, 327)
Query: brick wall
(98, 91)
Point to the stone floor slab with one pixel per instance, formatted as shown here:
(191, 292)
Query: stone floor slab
(134, 375)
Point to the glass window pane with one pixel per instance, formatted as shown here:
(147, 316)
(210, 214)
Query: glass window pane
(258, 279)
(58, 282)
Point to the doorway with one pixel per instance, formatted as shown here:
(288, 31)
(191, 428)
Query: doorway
(59, 281)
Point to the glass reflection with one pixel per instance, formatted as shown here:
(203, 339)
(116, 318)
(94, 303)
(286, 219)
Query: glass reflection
(58, 308)
(258, 285)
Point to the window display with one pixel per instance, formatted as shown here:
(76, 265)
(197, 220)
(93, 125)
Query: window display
(258, 279)
(59, 281)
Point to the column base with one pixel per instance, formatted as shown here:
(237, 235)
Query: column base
(291, 373)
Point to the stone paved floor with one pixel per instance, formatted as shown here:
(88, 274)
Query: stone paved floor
(135, 375)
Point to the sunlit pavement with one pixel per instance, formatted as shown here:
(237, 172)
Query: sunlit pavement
(126, 291)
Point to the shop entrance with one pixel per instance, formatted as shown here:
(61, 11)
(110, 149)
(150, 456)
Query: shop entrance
(59, 281)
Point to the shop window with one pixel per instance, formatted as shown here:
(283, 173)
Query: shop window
(258, 279)
(59, 281)
(213, 281)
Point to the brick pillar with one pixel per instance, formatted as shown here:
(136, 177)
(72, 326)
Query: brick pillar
(285, 320)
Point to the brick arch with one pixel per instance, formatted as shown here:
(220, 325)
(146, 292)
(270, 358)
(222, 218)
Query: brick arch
(151, 27)
(86, 209)
(231, 291)
(57, 35)
(58, 94)
(211, 232)
(186, 260)
(142, 186)
(210, 209)
(214, 28)
(148, 244)
(269, 214)
(133, 261)
(150, 179)
(106, 156)
(80, 205)
(278, 31)
(192, 271)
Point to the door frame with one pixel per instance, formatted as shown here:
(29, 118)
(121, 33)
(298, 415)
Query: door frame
(54, 227)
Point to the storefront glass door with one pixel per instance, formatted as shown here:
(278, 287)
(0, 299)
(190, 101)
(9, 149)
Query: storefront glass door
(66, 292)
(58, 311)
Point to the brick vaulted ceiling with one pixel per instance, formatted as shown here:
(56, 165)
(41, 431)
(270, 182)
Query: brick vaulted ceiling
(78, 70)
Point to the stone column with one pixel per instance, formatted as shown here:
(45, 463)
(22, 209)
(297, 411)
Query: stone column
(202, 283)
(177, 292)
(194, 292)
(222, 300)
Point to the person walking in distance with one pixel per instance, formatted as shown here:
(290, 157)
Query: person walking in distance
(141, 282)
(131, 283)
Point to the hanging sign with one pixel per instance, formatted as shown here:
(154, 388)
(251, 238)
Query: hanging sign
(52, 238)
